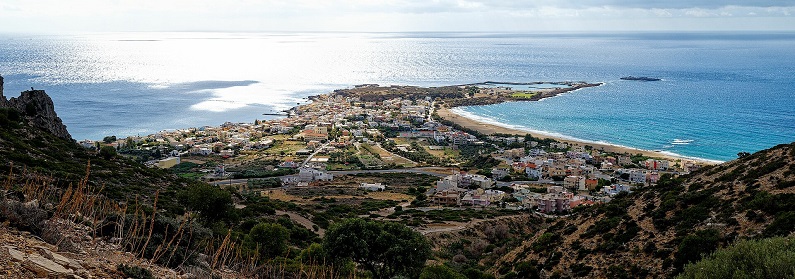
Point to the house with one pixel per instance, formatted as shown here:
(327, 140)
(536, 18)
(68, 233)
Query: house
(616, 188)
(312, 136)
(481, 181)
(554, 203)
(532, 173)
(637, 176)
(653, 164)
(574, 182)
(226, 153)
(591, 184)
(499, 173)
(451, 196)
(289, 164)
(372, 187)
(310, 174)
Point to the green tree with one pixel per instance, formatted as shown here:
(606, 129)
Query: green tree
(694, 246)
(212, 203)
(269, 239)
(109, 139)
(384, 248)
(765, 258)
(440, 272)
(107, 152)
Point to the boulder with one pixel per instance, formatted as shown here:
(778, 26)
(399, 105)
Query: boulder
(59, 259)
(44, 267)
(16, 255)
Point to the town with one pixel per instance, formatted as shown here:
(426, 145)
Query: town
(374, 129)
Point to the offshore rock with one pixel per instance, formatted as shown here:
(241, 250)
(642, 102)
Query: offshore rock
(38, 109)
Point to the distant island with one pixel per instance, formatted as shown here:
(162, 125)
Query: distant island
(640, 78)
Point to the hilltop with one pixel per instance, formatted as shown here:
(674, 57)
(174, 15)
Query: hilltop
(654, 231)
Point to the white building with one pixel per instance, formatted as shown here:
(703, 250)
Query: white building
(373, 187)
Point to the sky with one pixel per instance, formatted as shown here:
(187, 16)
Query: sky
(58, 16)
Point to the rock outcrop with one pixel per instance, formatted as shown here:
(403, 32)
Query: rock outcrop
(38, 109)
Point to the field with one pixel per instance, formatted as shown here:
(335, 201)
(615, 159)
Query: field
(524, 94)
(286, 146)
(388, 157)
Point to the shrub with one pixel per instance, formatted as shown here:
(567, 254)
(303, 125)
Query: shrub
(765, 258)
(135, 272)
(269, 239)
(694, 246)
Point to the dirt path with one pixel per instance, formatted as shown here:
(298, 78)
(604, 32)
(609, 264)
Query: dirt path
(302, 220)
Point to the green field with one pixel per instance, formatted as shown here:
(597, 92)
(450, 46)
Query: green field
(524, 94)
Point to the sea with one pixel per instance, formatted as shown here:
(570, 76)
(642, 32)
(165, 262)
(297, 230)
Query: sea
(720, 94)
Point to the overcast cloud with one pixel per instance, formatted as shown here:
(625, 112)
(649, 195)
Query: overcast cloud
(54, 16)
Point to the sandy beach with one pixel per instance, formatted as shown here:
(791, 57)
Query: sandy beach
(489, 129)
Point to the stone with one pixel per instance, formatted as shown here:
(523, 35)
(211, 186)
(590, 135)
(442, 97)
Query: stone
(44, 267)
(59, 259)
(16, 255)
(32, 204)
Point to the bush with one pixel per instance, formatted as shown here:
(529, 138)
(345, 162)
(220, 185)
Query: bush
(765, 258)
(135, 272)
(269, 239)
(107, 152)
(694, 246)
(27, 217)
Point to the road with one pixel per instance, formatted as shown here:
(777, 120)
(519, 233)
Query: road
(301, 220)
(427, 171)
(424, 170)
(313, 154)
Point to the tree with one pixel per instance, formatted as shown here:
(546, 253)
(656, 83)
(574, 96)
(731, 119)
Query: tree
(269, 239)
(212, 203)
(384, 248)
(743, 154)
(696, 245)
(109, 139)
(107, 152)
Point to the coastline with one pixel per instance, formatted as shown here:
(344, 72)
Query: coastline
(489, 129)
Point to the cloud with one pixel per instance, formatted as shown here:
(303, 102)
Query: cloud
(385, 15)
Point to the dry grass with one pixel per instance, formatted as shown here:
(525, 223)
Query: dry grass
(83, 207)
(389, 196)
(281, 195)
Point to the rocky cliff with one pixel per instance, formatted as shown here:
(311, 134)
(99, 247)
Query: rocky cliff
(38, 109)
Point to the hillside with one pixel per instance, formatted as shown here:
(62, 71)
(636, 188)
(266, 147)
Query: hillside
(655, 231)
(33, 140)
(69, 211)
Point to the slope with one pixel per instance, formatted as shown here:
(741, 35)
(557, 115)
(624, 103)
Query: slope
(656, 230)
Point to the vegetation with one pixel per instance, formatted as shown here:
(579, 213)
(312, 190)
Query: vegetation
(135, 272)
(384, 249)
(764, 258)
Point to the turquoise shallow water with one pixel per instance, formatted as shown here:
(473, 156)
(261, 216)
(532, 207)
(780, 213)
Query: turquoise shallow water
(721, 93)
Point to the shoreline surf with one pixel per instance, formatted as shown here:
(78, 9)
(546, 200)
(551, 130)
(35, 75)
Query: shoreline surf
(487, 126)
